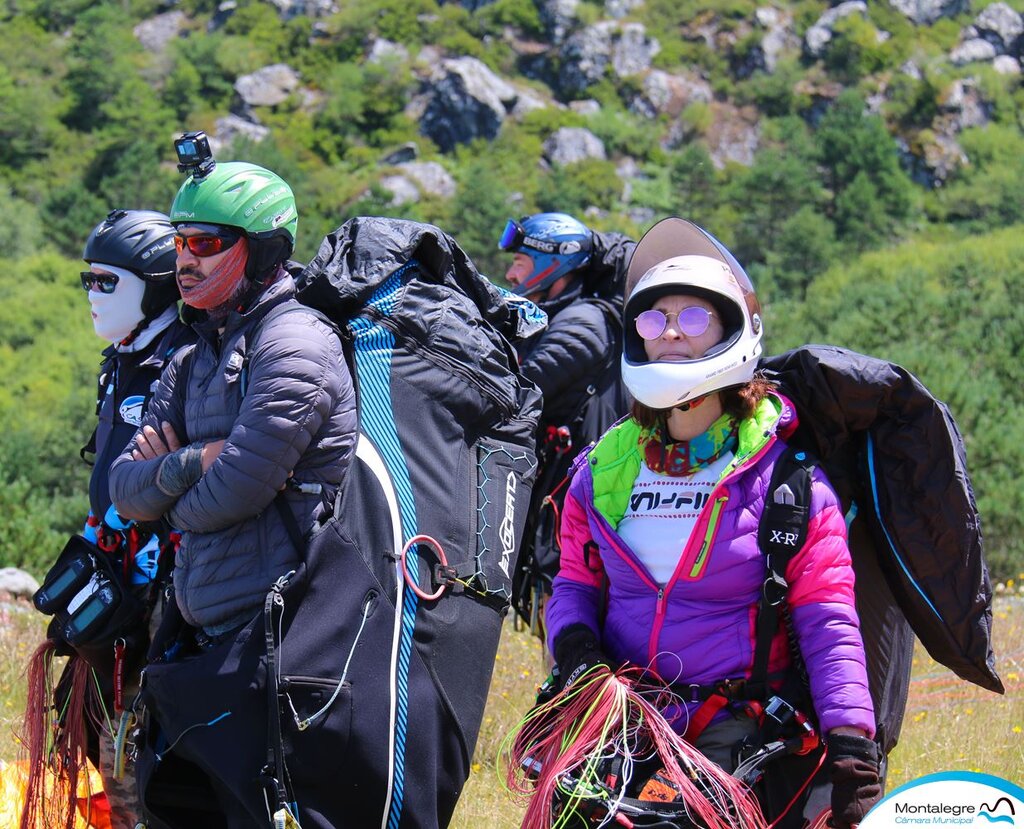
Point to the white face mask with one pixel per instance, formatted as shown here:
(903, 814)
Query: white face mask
(114, 316)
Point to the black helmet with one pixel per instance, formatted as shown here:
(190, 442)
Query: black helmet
(141, 241)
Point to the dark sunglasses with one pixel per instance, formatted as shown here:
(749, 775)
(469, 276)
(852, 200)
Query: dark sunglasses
(208, 243)
(105, 283)
(692, 321)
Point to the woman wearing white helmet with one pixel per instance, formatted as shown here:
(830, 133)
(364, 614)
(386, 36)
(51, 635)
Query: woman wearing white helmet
(661, 562)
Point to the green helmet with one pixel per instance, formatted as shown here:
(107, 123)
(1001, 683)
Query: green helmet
(249, 198)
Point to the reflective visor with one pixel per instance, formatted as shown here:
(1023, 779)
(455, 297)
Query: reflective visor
(512, 236)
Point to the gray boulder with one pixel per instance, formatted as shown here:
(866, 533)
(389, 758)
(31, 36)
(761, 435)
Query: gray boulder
(1001, 25)
(430, 177)
(585, 107)
(384, 50)
(779, 35)
(585, 57)
(589, 52)
(289, 9)
(633, 50)
(926, 12)
(571, 144)
(268, 86)
(230, 127)
(975, 50)
(734, 137)
(618, 9)
(1006, 65)
(558, 17)
(466, 100)
(964, 107)
(154, 34)
(665, 94)
(820, 34)
(402, 190)
(17, 583)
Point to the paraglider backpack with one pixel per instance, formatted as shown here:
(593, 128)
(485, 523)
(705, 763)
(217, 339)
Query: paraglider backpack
(603, 403)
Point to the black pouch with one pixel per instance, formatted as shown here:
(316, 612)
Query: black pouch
(95, 614)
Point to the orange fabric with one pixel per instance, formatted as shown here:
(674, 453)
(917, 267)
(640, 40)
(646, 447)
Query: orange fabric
(91, 799)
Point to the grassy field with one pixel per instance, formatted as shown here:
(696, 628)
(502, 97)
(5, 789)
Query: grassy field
(949, 724)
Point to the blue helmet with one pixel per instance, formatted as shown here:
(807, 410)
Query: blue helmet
(556, 242)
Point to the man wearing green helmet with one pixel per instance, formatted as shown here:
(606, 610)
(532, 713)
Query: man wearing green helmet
(248, 438)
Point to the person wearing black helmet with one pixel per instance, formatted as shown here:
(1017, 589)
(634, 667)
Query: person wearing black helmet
(133, 299)
(576, 276)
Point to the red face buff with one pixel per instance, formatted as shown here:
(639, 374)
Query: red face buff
(221, 284)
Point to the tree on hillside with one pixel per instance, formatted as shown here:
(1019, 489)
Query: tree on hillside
(857, 152)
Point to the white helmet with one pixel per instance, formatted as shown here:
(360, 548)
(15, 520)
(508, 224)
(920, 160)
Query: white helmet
(677, 257)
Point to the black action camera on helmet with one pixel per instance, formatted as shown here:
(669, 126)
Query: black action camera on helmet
(195, 158)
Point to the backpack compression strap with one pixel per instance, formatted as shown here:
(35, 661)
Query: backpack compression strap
(781, 534)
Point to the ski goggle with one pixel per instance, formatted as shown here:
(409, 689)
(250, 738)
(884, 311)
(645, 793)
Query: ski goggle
(105, 283)
(514, 237)
(692, 321)
(210, 242)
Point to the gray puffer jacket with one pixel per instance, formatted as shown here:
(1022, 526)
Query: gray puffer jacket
(277, 389)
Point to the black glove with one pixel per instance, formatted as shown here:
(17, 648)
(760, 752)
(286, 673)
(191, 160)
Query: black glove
(576, 652)
(853, 770)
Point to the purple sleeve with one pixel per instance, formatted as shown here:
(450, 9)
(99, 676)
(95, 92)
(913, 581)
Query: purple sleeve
(576, 591)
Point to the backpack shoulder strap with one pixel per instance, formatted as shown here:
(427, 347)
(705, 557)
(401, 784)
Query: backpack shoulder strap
(781, 533)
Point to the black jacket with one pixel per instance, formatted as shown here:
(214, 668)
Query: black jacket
(124, 388)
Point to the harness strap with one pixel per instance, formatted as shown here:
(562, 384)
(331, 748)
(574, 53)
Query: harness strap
(782, 533)
(275, 747)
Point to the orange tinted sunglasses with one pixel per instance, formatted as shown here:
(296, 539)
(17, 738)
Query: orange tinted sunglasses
(207, 243)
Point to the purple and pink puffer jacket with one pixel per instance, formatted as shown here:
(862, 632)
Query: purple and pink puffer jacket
(699, 627)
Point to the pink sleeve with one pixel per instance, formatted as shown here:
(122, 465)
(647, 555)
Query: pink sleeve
(821, 595)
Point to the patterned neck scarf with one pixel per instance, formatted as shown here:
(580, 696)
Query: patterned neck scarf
(224, 283)
(688, 456)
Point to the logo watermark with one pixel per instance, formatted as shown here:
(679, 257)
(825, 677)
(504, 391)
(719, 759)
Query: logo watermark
(951, 798)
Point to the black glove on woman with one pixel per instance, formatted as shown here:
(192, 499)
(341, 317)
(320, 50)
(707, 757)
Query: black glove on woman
(576, 652)
(853, 770)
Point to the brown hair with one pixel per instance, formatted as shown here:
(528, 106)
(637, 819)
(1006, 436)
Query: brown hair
(739, 401)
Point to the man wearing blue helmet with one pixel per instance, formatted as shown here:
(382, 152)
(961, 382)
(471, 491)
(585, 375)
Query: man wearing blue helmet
(576, 276)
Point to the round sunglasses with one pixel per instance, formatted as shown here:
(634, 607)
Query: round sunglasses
(104, 283)
(206, 244)
(691, 321)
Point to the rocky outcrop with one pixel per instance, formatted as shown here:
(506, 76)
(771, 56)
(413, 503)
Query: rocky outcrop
(973, 50)
(268, 86)
(1001, 26)
(558, 17)
(17, 583)
(589, 53)
(384, 50)
(820, 34)
(665, 94)
(154, 34)
(289, 9)
(926, 12)
(465, 100)
(779, 36)
(230, 127)
(430, 177)
(402, 190)
(571, 144)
